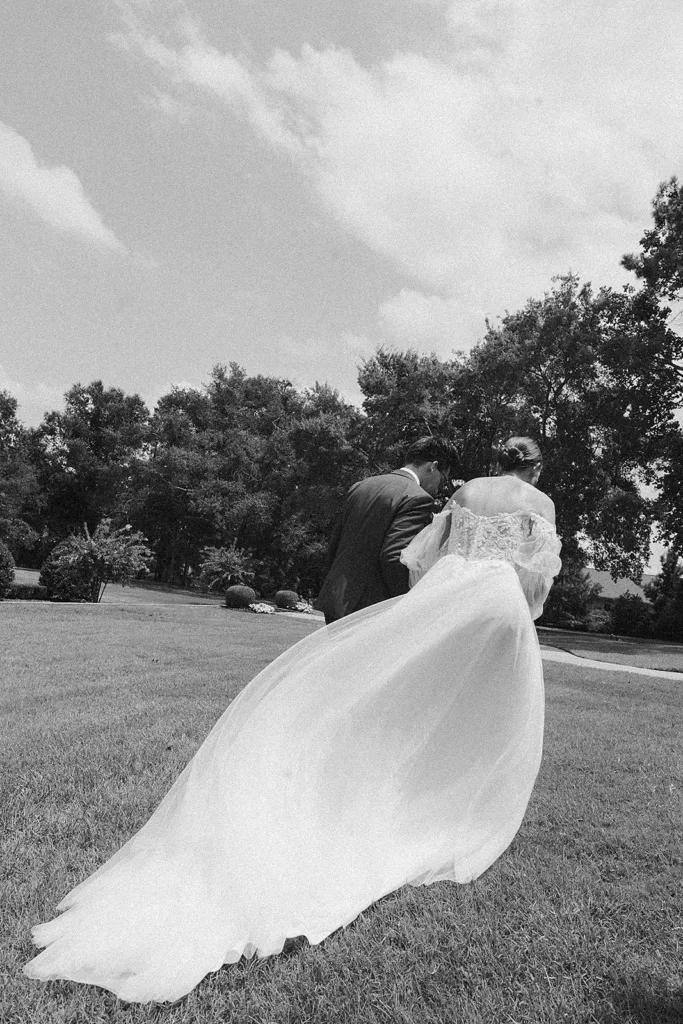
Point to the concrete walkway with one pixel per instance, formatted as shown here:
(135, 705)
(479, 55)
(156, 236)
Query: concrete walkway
(553, 654)
(549, 653)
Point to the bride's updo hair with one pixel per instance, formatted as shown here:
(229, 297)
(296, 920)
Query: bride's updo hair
(518, 453)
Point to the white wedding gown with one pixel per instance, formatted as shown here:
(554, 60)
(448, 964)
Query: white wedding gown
(399, 745)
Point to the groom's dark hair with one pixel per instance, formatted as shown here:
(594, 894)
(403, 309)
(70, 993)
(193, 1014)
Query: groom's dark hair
(434, 449)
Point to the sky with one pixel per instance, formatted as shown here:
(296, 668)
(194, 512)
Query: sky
(290, 185)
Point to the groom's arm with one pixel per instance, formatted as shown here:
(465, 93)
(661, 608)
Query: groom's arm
(412, 516)
(333, 542)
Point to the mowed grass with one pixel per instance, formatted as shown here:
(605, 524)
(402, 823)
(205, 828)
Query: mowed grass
(579, 921)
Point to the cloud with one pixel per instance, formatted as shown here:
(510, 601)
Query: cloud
(417, 319)
(167, 105)
(54, 193)
(533, 146)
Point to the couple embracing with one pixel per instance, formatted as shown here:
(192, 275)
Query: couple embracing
(399, 744)
(382, 515)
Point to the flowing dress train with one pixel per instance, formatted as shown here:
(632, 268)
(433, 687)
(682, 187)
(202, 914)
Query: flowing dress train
(399, 745)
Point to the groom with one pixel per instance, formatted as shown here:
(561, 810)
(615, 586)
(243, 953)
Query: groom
(381, 515)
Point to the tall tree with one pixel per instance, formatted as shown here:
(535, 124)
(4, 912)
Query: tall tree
(245, 461)
(86, 455)
(666, 594)
(319, 456)
(408, 395)
(19, 492)
(660, 260)
(594, 376)
(659, 264)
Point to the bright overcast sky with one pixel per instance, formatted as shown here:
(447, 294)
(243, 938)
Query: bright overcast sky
(288, 185)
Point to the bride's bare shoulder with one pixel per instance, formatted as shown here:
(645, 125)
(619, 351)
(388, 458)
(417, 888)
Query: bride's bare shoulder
(542, 503)
(470, 490)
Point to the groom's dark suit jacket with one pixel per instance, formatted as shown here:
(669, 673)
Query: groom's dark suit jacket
(381, 515)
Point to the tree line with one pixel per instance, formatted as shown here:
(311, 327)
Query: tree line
(253, 464)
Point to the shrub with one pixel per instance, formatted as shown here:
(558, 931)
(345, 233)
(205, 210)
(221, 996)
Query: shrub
(598, 621)
(631, 616)
(668, 624)
(65, 577)
(239, 597)
(80, 567)
(570, 596)
(224, 567)
(666, 594)
(6, 570)
(287, 599)
(27, 592)
(567, 622)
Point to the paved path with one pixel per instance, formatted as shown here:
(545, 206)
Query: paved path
(553, 654)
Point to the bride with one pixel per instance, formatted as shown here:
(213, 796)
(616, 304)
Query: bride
(399, 745)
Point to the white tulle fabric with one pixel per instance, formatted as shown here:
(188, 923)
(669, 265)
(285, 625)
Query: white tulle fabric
(399, 745)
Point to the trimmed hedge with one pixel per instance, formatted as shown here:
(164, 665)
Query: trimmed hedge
(286, 599)
(6, 570)
(239, 596)
(27, 592)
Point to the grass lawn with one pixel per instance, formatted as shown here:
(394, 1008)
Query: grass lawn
(103, 705)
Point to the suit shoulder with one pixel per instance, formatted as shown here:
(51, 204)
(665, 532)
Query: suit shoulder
(396, 488)
(385, 481)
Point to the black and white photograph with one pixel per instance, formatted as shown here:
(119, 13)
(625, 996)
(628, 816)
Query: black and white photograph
(341, 512)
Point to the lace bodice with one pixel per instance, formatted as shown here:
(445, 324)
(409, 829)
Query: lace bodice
(523, 538)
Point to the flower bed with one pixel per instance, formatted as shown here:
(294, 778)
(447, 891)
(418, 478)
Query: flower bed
(261, 608)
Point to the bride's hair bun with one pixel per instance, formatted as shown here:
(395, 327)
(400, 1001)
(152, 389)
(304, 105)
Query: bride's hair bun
(517, 453)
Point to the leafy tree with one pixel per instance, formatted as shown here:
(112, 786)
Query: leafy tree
(660, 262)
(666, 595)
(569, 600)
(310, 461)
(669, 503)
(168, 503)
(255, 404)
(594, 378)
(408, 395)
(247, 462)
(631, 616)
(200, 483)
(19, 493)
(81, 566)
(666, 585)
(86, 455)
(322, 440)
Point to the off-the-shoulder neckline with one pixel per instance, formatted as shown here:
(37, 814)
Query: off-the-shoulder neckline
(502, 515)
